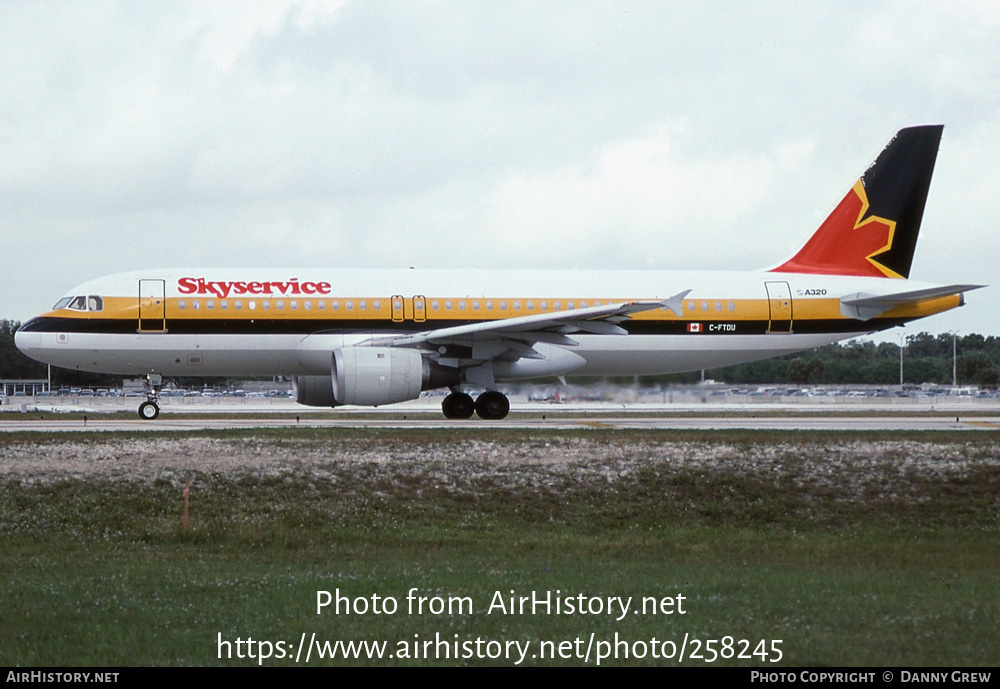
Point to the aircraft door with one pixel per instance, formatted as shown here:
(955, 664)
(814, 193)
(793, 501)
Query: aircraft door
(152, 306)
(779, 302)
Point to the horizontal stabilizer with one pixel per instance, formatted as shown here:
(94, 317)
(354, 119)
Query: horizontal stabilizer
(864, 306)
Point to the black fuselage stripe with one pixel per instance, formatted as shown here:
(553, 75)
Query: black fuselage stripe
(204, 326)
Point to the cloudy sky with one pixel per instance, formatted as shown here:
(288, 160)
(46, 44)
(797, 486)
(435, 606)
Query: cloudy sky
(482, 134)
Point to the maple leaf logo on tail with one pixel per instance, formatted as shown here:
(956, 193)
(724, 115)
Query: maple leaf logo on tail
(873, 231)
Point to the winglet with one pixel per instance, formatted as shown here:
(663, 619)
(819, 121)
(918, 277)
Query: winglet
(676, 303)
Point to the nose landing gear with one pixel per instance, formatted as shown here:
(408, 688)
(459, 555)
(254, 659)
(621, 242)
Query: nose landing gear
(149, 409)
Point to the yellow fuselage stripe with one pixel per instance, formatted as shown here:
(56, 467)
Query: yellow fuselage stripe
(381, 309)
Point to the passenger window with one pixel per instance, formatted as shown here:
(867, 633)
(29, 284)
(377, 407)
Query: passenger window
(181, 305)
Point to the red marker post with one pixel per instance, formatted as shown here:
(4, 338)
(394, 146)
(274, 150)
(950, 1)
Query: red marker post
(187, 491)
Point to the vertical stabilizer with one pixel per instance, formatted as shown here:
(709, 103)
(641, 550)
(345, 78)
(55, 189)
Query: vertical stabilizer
(873, 231)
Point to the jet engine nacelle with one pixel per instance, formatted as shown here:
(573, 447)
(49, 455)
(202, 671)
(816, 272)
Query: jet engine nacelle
(313, 391)
(370, 376)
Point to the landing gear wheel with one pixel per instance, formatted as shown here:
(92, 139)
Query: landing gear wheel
(148, 411)
(492, 405)
(457, 405)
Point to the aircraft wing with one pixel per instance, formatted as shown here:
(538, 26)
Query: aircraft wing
(512, 338)
(867, 306)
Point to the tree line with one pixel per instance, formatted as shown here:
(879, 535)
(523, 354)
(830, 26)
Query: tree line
(927, 358)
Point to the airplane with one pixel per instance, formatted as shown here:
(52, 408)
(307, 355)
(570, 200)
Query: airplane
(378, 337)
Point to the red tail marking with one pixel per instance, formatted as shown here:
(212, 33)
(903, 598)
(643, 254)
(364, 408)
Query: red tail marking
(844, 244)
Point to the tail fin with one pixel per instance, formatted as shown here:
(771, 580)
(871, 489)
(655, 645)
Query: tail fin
(873, 231)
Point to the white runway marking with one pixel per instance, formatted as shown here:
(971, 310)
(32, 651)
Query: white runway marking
(11, 423)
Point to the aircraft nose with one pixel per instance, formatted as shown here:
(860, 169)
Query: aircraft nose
(27, 340)
(27, 326)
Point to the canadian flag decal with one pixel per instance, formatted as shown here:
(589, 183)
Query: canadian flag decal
(694, 327)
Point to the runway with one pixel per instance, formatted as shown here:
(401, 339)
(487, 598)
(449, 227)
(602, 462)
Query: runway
(166, 424)
(48, 415)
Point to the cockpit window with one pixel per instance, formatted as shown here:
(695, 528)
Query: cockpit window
(89, 303)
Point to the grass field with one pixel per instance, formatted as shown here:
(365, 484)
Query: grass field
(848, 548)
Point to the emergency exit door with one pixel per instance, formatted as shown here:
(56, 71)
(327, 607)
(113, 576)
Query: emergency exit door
(419, 309)
(414, 309)
(397, 302)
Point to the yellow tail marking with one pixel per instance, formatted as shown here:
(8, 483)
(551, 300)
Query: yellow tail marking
(859, 189)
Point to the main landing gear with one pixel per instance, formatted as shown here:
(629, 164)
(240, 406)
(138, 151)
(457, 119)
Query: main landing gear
(149, 409)
(491, 405)
(458, 405)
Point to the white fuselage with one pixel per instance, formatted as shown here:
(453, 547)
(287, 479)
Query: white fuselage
(226, 322)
